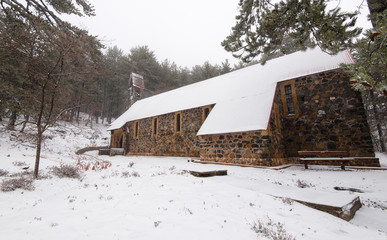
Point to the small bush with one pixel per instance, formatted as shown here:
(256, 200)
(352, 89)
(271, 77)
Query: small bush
(19, 164)
(93, 165)
(303, 184)
(26, 173)
(131, 164)
(15, 183)
(125, 174)
(271, 230)
(287, 201)
(67, 171)
(3, 172)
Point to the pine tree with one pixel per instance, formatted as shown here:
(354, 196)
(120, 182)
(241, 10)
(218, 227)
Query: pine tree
(266, 29)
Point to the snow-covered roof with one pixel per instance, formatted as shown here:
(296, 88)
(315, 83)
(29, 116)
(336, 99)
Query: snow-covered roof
(243, 98)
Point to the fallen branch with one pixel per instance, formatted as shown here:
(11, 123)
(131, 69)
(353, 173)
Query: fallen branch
(209, 173)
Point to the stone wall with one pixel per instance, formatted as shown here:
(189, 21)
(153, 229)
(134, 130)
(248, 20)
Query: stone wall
(263, 147)
(167, 142)
(329, 116)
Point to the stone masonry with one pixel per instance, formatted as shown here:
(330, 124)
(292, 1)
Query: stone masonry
(328, 115)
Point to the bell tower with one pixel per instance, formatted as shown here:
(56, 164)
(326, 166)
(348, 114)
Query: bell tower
(136, 88)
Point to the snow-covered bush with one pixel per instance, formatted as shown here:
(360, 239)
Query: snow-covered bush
(3, 172)
(15, 183)
(303, 184)
(271, 230)
(68, 171)
(135, 174)
(19, 163)
(125, 174)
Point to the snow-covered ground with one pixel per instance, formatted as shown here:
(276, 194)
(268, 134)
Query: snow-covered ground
(155, 198)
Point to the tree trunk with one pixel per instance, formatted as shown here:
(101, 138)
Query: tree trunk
(12, 120)
(37, 155)
(377, 121)
(39, 137)
(80, 101)
(96, 117)
(26, 118)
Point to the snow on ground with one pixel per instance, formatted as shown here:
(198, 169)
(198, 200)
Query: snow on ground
(154, 198)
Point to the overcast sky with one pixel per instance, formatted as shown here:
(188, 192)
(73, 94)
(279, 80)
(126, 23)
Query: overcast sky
(185, 32)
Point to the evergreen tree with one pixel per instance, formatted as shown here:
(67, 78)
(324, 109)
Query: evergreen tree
(144, 62)
(117, 69)
(266, 29)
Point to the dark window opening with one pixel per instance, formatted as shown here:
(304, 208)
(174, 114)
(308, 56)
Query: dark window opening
(155, 122)
(121, 142)
(136, 130)
(206, 112)
(178, 122)
(289, 99)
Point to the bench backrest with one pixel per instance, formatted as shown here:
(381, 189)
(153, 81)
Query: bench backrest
(323, 153)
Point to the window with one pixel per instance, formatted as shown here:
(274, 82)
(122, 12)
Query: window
(135, 129)
(289, 99)
(154, 126)
(178, 122)
(206, 112)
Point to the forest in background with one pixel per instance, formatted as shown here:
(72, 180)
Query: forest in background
(159, 76)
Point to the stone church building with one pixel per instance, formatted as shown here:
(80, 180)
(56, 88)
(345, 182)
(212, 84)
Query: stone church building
(258, 115)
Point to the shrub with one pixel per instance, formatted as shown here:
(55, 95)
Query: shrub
(93, 165)
(66, 171)
(303, 184)
(3, 172)
(15, 183)
(131, 164)
(19, 163)
(271, 230)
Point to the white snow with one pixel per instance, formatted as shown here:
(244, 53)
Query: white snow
(250, 91)
(164, 202)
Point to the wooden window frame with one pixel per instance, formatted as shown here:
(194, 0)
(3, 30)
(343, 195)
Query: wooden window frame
(285, 99)
(289, 99)
(155, 126)
(204, 117)
(136, 129)
(178, 120)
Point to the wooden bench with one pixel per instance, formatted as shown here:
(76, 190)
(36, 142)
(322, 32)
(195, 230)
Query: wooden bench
(309, 156)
